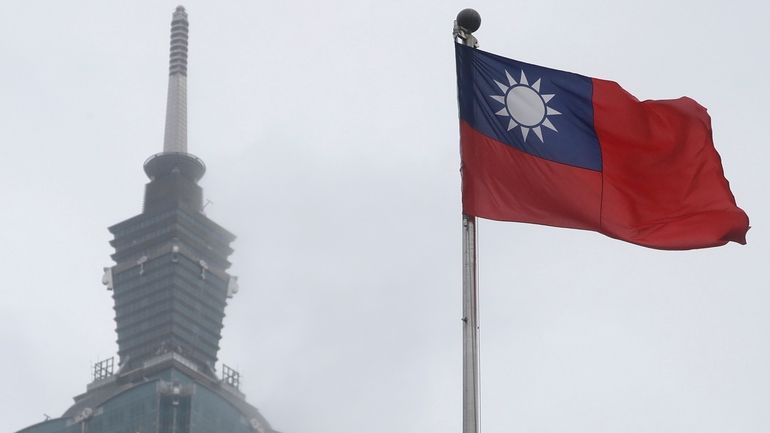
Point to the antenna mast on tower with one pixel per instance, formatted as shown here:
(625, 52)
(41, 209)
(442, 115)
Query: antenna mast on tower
(175, 140)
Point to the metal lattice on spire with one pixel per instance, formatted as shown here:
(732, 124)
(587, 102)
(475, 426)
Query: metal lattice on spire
(175, 140)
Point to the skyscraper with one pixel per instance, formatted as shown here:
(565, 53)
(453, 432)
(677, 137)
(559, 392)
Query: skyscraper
(170, 285)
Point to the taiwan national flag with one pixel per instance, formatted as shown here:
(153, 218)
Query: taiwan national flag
(556, 148)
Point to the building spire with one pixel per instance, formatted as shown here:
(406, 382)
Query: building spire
(174, 159)
(175, 140)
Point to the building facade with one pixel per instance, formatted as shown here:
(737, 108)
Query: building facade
(170, 284)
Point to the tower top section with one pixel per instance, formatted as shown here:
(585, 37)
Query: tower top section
(175, 161)
(180, 29)
(175, 140)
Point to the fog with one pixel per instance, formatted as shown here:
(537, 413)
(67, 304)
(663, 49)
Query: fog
(330, 134)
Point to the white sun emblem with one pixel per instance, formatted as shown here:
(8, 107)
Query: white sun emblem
(525, 106)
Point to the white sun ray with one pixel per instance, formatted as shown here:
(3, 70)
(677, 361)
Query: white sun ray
(524, 106)
(547, 123)
(511, 81)
(538, 132)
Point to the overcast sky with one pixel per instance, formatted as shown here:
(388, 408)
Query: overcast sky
(331, 137)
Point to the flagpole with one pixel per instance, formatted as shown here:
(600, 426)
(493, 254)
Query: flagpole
(470, 329)
(467, 22)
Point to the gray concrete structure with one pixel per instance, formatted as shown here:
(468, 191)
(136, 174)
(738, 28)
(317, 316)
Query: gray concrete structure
(170, 286)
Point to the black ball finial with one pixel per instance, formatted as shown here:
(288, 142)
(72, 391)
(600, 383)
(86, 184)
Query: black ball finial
(469, 19)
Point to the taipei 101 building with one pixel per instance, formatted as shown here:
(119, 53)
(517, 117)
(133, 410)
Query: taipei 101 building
(170, 285)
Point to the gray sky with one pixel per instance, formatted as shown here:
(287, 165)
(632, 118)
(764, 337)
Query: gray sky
(330, 134)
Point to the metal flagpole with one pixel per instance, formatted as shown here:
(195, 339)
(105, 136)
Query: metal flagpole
(470, 329)
(467, 22)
